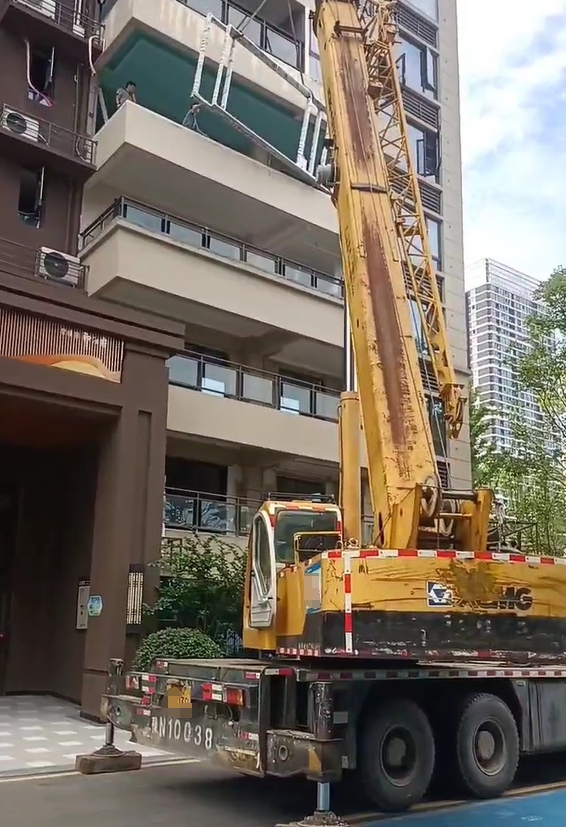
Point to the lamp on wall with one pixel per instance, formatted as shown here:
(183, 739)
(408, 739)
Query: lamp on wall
(134, 605)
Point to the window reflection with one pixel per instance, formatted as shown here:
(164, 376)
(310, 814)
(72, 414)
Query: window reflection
(429, 7)
(205, 6)
(295, 399)
(227, 249)
(186, 235)
(263, 262)
(281, 47)
(183, 371)
(239, 19)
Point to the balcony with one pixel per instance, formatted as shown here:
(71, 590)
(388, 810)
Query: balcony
(212, 513)
(202, 238)
(55, 23)
(180, 25)
(32, 141)
(141, 152)
(159, 263)
(195, 511)
(25, 262)
(226, 379)
(230, 404)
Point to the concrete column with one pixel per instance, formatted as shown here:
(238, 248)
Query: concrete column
(127, 514)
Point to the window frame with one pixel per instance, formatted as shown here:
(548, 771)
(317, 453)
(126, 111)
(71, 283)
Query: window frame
(39, 196)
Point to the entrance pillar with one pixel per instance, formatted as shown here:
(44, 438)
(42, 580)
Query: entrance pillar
(128, 511)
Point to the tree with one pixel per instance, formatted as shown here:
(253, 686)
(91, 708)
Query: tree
(482, 448)
(202, 586)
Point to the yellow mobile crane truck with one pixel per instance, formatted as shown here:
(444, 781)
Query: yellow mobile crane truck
(433, 646)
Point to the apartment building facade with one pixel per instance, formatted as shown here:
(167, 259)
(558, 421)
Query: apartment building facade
(223, 232)
(83, 383)
(499, 302)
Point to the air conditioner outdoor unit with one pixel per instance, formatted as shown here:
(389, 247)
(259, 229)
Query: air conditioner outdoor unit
(46, 7)
(78, 29)
(20, 124)
(62, 267)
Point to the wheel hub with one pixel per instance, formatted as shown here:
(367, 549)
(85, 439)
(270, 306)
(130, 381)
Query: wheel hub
(489, 748)
(398, 756)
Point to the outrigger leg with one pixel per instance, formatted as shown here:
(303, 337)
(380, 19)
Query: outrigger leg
(323, 707)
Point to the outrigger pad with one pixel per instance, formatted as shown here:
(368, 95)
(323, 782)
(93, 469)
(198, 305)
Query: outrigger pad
(318, 819)
(106, 760)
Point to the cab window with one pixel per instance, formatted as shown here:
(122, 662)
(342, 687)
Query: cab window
(262, 556)
(289, 523)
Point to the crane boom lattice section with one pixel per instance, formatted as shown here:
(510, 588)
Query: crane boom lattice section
(378, 19)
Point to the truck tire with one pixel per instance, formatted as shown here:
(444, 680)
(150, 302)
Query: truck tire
(396, 755)
(487, 746)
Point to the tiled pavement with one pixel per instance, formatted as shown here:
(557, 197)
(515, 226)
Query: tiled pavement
(44, 734)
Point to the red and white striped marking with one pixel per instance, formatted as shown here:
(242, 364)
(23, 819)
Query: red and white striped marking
(348, 619)
(421, 673)
(446, 554)
(295, 653)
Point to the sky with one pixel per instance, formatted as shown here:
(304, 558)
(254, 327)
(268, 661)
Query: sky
(513, 99)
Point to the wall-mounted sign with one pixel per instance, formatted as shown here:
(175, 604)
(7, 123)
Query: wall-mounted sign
(44, 341)
(83, 594)
(94, 606)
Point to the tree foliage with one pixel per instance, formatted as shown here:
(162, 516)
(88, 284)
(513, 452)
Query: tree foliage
(202, 586)
(482, 448)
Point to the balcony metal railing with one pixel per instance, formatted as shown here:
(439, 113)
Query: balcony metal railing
(218, 513)
(25, 262)
(219, 378)
(46, 134)
(66, 17)
(203, 238)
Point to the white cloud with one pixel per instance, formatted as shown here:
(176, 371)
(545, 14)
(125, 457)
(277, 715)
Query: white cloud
(512, 59)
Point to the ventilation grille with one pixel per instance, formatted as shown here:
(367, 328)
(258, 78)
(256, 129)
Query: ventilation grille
(421, 108)
(411, 22)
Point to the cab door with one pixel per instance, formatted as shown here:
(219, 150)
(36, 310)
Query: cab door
(263, 598)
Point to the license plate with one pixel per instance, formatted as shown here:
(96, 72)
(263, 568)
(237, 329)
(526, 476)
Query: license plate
(182, 731)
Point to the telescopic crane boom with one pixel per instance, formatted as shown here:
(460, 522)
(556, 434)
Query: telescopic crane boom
(387, 261)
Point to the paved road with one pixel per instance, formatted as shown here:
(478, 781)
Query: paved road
(541, 810)
(193, 795)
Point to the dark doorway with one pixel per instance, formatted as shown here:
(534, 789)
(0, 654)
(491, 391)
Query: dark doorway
(9, 502)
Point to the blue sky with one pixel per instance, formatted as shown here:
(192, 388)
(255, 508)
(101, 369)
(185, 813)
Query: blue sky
(513, 88)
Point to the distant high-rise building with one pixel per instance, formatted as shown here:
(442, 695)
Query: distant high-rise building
(499, 301)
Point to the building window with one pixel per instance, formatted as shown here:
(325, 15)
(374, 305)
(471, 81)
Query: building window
(418, 68)
(428, 7)
(434, 240)
(30, 202)
(425, 149)
(41, 68)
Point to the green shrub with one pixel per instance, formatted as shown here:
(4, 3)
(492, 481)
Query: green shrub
(201, 586)
(175, 643)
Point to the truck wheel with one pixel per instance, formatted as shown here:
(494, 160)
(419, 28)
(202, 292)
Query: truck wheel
(487, 746)
(396, 754)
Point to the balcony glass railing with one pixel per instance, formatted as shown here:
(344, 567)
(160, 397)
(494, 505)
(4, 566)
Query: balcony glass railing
(218, 378)
(202, 238)
(218, 513)
(214, 513)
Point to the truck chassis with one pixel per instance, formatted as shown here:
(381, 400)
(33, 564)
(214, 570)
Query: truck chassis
(393, 725)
